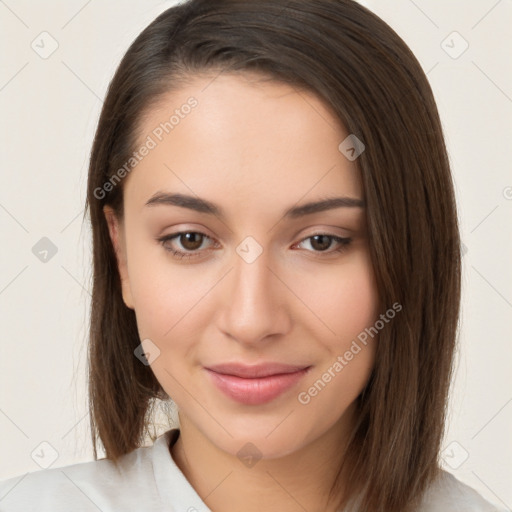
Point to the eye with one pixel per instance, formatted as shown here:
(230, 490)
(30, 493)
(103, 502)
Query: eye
(321, 242)
(190, 241)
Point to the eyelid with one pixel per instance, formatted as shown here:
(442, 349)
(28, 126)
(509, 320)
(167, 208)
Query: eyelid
(343, 242)
(177, 234)
(183, 254)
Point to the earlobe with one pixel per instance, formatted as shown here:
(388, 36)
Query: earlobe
(116, 238)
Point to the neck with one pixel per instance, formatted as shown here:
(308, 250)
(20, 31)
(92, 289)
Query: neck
(296, 482)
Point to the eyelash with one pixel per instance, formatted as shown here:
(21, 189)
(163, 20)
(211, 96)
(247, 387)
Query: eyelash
(344, 242)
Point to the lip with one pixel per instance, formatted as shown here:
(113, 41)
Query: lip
(255, 371)
(255, 385)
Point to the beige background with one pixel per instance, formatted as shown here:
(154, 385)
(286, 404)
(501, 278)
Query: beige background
(49, 108)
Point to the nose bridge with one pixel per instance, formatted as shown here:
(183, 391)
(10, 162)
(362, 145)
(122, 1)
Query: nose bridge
(253, 307)
(252, 281)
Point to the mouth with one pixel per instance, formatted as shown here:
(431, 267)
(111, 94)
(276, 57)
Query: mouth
(255, 385)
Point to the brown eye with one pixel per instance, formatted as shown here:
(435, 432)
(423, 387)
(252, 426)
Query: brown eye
(191, 241)
(186, 244)
(322, 242)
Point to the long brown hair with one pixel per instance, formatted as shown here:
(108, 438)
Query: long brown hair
(375, 86)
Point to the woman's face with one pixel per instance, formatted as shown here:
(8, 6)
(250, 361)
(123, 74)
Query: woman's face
(256, 286)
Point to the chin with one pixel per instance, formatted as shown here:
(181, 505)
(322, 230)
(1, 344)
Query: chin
(268, 440)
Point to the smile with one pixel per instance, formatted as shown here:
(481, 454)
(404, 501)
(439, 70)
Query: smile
(255, 390)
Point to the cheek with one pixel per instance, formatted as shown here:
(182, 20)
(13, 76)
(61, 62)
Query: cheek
(344, 300)
(348, 305)
(171, 314)
(358, 303)
(165, 294)
(351, 309)
(169, 307)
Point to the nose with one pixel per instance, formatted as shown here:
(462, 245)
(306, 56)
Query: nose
(255, 302)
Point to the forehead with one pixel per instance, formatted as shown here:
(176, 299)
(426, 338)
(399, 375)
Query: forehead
(243, 136)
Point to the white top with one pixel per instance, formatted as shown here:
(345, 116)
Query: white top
(149, 479)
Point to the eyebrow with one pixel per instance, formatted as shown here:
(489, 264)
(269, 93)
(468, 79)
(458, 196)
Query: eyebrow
(204, 206)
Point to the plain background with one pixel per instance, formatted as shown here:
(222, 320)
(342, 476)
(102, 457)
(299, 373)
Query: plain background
(49, 109)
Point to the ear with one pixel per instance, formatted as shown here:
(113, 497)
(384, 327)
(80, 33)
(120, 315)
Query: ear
(115, 229)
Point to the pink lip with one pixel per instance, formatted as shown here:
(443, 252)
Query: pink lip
(254, 385)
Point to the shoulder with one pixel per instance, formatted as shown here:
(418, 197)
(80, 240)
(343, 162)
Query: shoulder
(449, 494)
(83, 487)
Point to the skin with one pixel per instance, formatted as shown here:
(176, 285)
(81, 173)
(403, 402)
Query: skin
(255, 148)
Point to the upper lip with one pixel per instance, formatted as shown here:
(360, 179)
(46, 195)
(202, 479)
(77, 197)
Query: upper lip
(254, 371)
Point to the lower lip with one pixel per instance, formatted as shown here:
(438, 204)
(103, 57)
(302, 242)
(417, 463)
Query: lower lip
(255, 391)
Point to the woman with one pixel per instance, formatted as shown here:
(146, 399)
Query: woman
(276, 250)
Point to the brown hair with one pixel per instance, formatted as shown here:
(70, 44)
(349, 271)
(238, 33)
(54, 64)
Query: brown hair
(373, 83)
